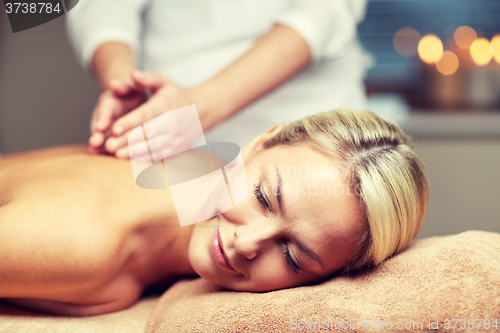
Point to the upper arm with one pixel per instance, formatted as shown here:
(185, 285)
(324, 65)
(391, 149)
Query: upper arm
(327, 26)
(94, 22)
(117, 296)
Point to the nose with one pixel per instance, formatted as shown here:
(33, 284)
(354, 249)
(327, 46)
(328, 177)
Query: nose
(253, 238)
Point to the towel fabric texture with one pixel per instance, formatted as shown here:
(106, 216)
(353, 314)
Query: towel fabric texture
(434, 281)
(131, 320)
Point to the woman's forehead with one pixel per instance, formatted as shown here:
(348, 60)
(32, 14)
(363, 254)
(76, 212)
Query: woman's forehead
(299, 162)
(313, 189)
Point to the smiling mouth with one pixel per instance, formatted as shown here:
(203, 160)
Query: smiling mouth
(218, 252)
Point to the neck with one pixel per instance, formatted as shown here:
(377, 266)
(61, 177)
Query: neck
(166, 255)
(178, 258)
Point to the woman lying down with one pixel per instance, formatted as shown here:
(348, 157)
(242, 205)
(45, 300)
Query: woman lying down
(78, 237)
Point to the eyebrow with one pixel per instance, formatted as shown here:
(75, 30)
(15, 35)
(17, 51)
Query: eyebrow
(281, 206)
(279, 198)
(310, 253)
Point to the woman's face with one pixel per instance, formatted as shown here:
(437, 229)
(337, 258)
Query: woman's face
(297, 225)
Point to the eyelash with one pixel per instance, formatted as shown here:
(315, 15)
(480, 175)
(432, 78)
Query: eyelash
(290, 261)
(260, 197)
(262, 200)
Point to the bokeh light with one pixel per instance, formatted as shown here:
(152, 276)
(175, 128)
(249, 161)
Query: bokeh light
(405, 41)
(430, 48)
(495, 45)
(448, 64)
(464, 36)
(481, 52)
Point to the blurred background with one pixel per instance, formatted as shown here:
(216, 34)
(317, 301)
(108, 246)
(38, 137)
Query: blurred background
(437, 55)
(435, 71)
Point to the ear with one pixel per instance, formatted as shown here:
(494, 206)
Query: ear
(258, 143)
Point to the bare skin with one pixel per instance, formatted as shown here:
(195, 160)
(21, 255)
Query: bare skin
(78, 237)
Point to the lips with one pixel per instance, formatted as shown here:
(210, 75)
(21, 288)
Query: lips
(218, 252)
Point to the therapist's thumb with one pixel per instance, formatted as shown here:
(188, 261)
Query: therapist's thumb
(149, 79)
(120, 88)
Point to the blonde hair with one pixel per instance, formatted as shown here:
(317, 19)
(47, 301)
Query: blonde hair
(384, 170)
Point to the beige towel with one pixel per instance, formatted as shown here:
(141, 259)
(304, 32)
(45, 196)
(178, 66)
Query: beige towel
(434, 281)
(131, 320)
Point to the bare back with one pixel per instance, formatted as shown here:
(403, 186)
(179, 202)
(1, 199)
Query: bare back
(76, 230)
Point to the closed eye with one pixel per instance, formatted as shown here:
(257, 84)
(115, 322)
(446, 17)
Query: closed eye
(290, 261)
(260, 197)
(263, 202)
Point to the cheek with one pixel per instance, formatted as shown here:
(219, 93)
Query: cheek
(272, 274)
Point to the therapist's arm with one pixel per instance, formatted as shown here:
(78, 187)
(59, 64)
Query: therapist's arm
(274, 58)
(113, 64)
(113, 60)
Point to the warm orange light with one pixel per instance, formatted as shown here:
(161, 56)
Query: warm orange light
(430, 48)
(464, 36)
(405, 41)
(448, 64)
(495, 45)
(481, 51)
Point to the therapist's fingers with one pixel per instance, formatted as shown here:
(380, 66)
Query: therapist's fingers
(124, 153)
(96, 140)
(162, 149)
(113, 143)
(120, 88)
(111, 107)
(125, 90)
(134, 118)
(138, 152)
(107, 106)
(146, 80)
(138, 149)
(93, 150)
(96, 151)
(157, 143)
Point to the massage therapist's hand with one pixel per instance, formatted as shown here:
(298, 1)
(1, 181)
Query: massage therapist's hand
(166, 96)
(116, 101)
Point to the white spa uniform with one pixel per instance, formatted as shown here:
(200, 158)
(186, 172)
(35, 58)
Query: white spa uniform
(190, 41)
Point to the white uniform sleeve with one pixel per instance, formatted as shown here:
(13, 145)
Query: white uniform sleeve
(326, 25)
(94, 22)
